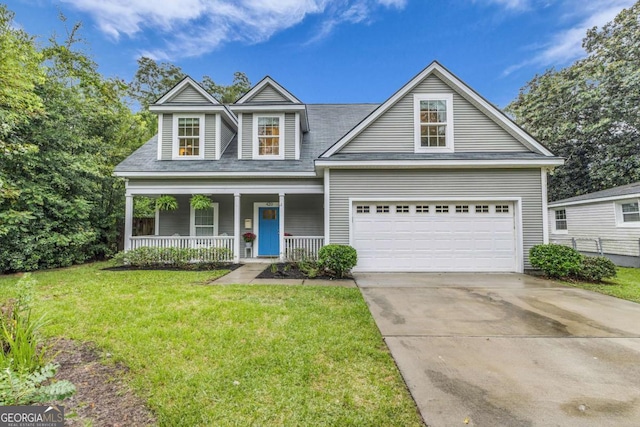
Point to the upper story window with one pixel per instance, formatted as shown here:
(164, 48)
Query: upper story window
(268, 138)
(561, 220)
(433, 120)
(188, 136)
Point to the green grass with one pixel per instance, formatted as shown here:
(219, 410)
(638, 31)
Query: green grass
(625, 285)
(231, 355)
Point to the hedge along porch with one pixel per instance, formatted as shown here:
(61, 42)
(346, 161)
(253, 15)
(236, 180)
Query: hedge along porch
(287, 221)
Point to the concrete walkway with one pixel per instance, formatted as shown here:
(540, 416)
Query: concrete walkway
(509, 349)
(248, 272)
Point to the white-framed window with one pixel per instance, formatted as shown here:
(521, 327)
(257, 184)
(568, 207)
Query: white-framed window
(482, 208)
(402, 209)
(433, 122)
(188, 136)
(362, 209)
(268, 136)
(204, 222)
(422, 208)
(502, 208)
(382, 209)
(462, 208)
(442, 209)
(560, 221)
(628, 213)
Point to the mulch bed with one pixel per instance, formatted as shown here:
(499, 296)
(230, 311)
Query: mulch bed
(289, 270)
(102, 398)
(168, 267)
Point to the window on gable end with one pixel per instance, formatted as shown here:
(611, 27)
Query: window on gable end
(433, 120)
(268, 136)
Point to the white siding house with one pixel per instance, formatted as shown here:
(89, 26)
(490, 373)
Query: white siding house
(605, 223)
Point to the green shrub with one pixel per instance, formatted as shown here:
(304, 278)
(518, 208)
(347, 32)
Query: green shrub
(594, 269)
(337, 259)
(35, 387)
(148, 256)
(555, 261)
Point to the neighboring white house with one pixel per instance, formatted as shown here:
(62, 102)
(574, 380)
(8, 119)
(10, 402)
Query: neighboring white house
(605, 222)
(436, 178)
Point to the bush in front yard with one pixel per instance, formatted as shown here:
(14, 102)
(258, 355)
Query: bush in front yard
(555, 261)
(147, 256)
(594, 269)
(337, 259)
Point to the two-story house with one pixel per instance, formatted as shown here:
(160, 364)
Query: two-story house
(434, 179)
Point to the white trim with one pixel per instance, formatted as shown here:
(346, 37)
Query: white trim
(598, 200)
(192, 216)
(128, 220)
(417, 134)
(281, 226)
(239, 140)
(458, 84)
(327, 206)
(218, 140)
(503, 163)
(281, 137)
(262, 83)
(248, 108)
(297, 137)
(517, 216)
(180, 86)
(164, 188)
(256, 221)
(156, 224)
(620, 223)
(545, 210)
(236, 227)
(201, 137)
(160, 120)
(247, 174)
(170, 109)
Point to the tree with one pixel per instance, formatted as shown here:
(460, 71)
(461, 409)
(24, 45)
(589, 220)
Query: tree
(152, 80)
(589, 111)
(228, 94)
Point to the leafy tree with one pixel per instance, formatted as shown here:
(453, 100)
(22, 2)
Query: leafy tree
(228, 94)
(152, 80)
(589, 111)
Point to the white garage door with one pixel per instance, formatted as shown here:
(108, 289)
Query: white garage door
(434, 236)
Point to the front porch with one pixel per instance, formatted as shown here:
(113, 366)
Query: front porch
(287, 227)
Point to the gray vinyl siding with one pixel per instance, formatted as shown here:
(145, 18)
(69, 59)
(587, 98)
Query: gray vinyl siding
(290, 136)
(247, 136)
(473, 131)
(466, 184)
(268, 94)
(167, 136)
(188, 94)
(179, 221)
(304, 214)
(210, 137)
(227, 135)
(593, 221)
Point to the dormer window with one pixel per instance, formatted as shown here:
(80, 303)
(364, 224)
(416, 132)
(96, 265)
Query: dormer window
(268, 138)
(188, 132)
(433, 120)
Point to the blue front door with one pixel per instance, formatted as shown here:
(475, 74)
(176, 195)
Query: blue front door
(268, 239)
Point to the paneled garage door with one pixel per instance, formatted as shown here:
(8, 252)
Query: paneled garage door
(434, 236)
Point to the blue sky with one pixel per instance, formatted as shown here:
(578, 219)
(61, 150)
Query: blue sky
(332, 51)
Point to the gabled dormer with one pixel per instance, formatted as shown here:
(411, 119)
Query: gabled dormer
(192, 124)
(271, 122)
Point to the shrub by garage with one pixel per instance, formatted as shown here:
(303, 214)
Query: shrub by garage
(337, 259)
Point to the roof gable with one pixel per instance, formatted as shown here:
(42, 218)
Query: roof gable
(494, 115)
(187, 91)
(268, 90)
(622, 192)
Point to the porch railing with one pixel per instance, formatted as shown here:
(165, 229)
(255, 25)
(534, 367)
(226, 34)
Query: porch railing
(297, 248)
(187, 242)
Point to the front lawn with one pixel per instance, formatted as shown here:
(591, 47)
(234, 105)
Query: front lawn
(626, 285)
(231, 355)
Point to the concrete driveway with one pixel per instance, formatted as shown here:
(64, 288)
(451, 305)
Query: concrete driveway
(509, 349)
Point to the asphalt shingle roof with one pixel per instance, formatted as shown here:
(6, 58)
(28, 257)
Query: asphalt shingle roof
(623, 190)
(328, 122)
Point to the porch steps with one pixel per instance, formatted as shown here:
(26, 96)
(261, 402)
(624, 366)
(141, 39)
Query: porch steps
(259, 260)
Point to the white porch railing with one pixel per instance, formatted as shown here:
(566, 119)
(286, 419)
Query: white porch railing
(297, 248)
(188, 242)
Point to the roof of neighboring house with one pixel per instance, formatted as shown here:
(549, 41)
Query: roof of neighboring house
(612, 193)
(328, 122)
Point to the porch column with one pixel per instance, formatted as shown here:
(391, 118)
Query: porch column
(128, 221)
(236, 227)
(281, 225)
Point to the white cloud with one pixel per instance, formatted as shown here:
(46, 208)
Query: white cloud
(195, 27)
(565, 46)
